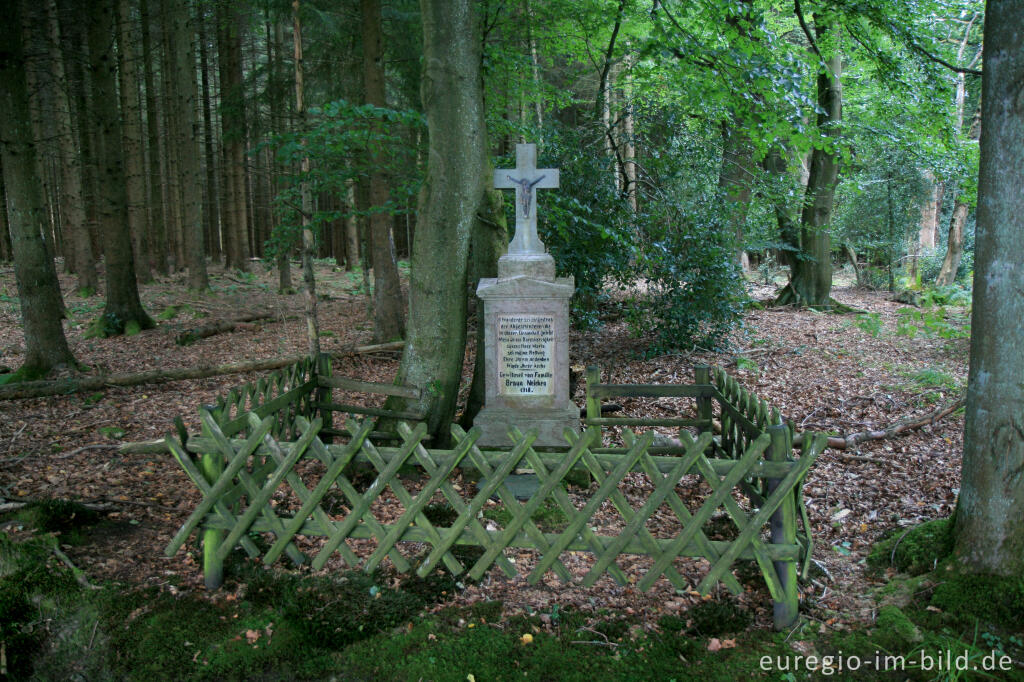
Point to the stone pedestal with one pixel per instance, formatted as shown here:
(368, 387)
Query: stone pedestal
(526, 352)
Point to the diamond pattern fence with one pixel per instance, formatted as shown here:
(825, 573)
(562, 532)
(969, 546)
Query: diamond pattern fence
(286, 484)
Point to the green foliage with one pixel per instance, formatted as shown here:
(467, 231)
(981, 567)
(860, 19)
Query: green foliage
(995, 600)
(344, 142)
(870, 323)
(934, 322)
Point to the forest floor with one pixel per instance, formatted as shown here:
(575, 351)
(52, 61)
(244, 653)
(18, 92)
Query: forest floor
(839, 374)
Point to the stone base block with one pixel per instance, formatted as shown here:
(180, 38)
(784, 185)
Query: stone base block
(550, 424)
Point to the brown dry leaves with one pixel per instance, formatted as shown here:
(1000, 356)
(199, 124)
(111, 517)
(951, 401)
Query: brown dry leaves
(822, 371)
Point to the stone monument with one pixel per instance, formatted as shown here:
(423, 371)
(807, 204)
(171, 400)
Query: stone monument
(526, 325)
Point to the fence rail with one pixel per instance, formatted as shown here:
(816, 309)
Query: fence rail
(253, 480)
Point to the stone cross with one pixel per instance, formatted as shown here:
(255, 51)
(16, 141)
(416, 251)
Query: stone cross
(525, 178)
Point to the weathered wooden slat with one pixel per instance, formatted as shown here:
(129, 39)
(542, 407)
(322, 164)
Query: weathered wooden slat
(683, 513)
(576, 525)
(312, 500)
(635, 520)
(371, 411)
(568, 508)
(361, 505)
(638, 421)
(241, 421)
(763, 514)
(235, 461)
(606, 456)
(519, 541)
(602, 391)
(739, 419)
(706, 510)
(377, 388)
(414, 510)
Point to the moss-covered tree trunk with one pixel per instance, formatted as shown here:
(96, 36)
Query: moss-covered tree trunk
(989, 520)
(452, 196)
(810, 282)
(123, 309)
(38, 291)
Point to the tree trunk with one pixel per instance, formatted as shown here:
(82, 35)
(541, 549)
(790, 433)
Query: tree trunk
(229, 44)
(38, 291)
(388, 322)
(211, 198)
(735, 180)
(810, 282)
(134, 157)
(488, 243)
(989, 524)
(453, 194)
(191, 178)
(954, 244)
(308, 245)
(930, 213)
(123, 307)
(351, 228)
(171, 130)
(157, 229)
(73, 207)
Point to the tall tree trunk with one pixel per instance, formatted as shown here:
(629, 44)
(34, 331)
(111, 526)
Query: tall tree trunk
(134, 156)
(930, 212)
(735, 180)
(211, 198)
(123, 307)
(388, 322)
(810, 282)
(954, 244)
(308, 245)
(278, 123)
(351, 228)
(38, 291)
(171, 129)
(6, 248)
(157, 229)
(453, 194)
(187, 135)
(989, 523)
(73, 212)
(229, 44)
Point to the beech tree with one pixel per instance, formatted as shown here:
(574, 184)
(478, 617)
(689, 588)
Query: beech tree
(42, 307)
(989, 522)
(452, 195)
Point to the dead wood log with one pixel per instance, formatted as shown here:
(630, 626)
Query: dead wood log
(190, 336)
(850, 441)
(39, 389)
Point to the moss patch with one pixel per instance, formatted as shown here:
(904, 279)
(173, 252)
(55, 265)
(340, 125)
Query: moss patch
(917, 550)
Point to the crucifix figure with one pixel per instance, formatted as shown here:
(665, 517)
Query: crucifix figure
(525, 178)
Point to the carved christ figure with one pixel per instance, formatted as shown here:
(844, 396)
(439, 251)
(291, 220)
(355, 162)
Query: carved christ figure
(525, 179)
(526, 192)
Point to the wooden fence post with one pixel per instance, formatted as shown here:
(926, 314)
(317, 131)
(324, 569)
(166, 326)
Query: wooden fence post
(702, 375)
(593, 402)
(324, 395)
(783, 531)
(212, 466)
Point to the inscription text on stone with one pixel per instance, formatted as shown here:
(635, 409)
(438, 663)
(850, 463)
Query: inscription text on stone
(526, 347)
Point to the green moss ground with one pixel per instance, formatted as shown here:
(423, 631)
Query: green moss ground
(273, 625)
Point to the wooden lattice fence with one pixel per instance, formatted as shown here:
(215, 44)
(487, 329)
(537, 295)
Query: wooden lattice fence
(260, 475)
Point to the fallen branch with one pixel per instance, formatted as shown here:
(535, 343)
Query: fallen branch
(190, 336)
(39, 389)
(849, 442)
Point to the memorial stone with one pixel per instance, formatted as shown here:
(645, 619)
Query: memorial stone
(526, 324)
